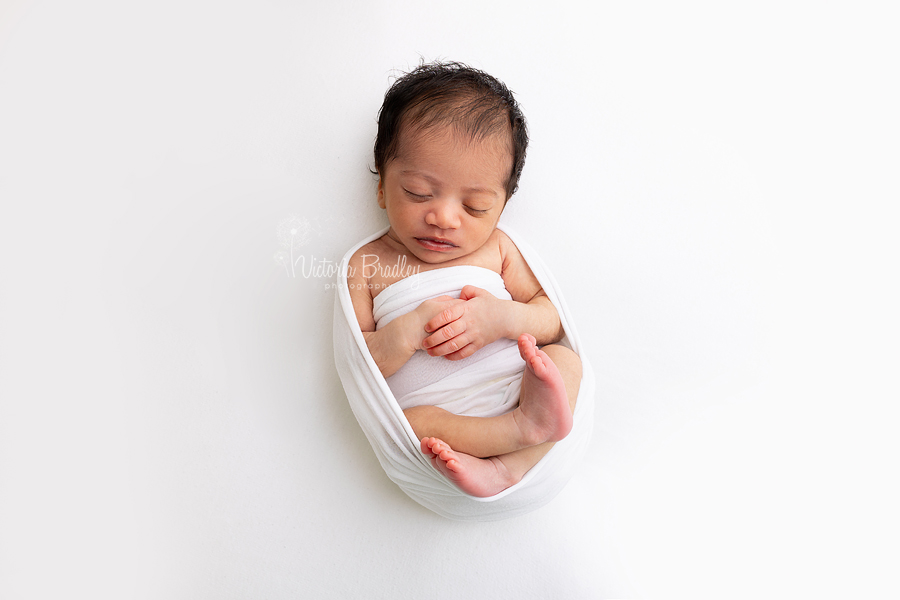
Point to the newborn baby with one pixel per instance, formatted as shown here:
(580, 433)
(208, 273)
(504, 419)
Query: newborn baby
(449, 152)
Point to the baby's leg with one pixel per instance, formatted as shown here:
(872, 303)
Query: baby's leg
(549, 388)
(488, 476)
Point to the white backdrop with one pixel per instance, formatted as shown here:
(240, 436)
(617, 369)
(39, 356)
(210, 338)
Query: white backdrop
(711, 187)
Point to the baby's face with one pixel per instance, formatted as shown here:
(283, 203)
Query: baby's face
(444, 193)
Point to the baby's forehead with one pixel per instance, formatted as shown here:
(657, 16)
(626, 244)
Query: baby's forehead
(415, 139)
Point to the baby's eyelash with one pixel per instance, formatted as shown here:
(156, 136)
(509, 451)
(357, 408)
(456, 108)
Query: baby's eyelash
(474, 211)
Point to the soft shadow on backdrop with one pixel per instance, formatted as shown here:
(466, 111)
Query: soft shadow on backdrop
(709, 186)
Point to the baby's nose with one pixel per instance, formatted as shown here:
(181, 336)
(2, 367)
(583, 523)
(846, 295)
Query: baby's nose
(443, 215)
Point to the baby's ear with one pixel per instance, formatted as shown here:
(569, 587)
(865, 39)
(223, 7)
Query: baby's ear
(381, 192)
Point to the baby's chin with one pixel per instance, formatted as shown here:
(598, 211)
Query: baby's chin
(431, 259)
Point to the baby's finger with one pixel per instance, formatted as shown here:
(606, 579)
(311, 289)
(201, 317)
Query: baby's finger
(470, 291)
(448, 347)
(465, 352)
(448, 315)
(444, 334)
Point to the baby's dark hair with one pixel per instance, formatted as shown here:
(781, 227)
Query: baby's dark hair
(451, 93)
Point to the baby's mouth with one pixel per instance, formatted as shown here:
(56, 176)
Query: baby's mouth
(436, 244)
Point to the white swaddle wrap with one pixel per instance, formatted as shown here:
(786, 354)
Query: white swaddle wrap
(485, 384)
(380, 414)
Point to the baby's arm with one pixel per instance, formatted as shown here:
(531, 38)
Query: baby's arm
(462, 329)
(393, 345)
(532, 312)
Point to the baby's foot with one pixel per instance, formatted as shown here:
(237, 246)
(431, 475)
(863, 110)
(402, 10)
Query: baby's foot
(480, 477)
(543, 414)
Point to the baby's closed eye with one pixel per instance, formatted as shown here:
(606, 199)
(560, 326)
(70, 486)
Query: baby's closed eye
(415, 195)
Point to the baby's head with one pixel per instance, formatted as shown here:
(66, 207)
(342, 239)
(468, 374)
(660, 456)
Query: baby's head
(475, 104)
(450, 149)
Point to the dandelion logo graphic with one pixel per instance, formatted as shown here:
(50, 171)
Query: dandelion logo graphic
(293, 233)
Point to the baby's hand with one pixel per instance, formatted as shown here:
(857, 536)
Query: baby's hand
(426, 312)
(461, 329)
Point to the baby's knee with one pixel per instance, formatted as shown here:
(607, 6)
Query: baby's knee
(422, 419)
(564, 358)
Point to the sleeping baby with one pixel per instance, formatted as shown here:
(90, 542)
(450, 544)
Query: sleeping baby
(463, 333)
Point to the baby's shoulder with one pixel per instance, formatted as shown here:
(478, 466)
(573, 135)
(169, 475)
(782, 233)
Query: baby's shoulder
(360, 285)
(498, 242)
(506, 248)
(517, 275)
(367, 254)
